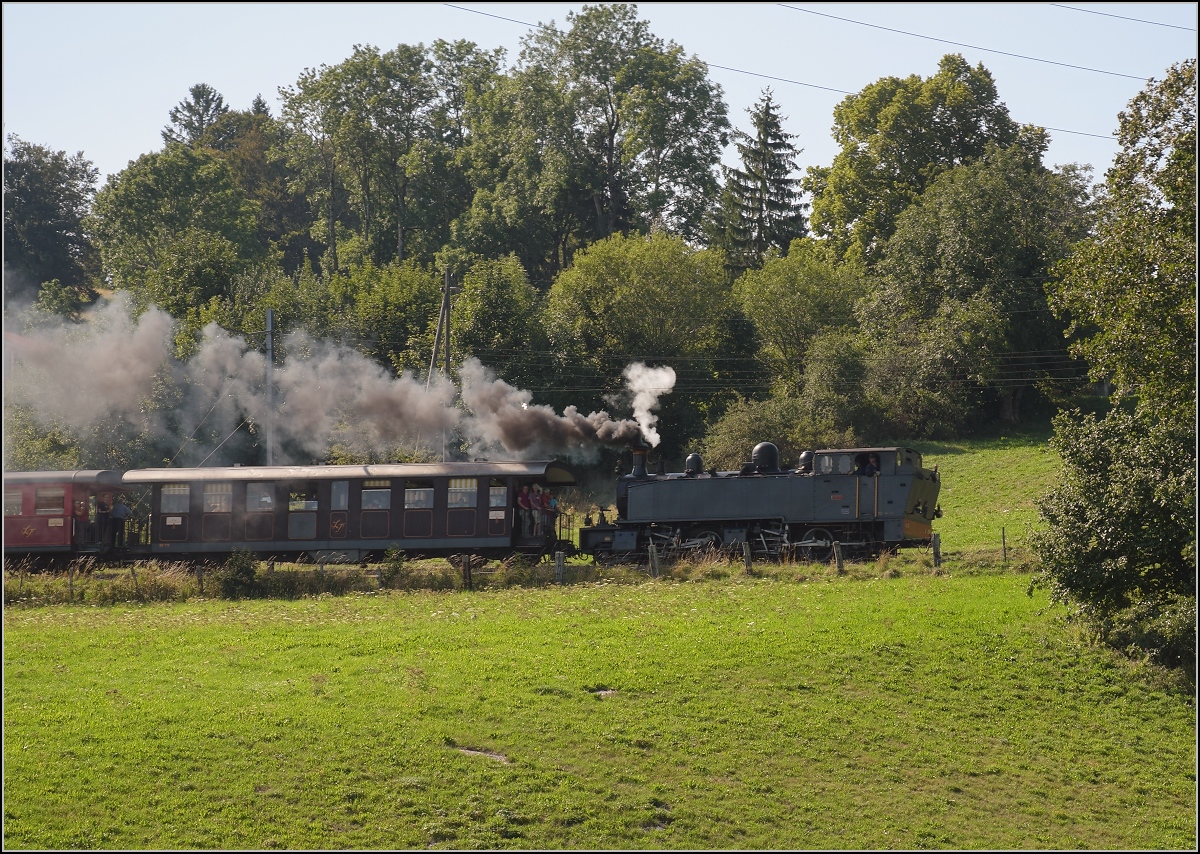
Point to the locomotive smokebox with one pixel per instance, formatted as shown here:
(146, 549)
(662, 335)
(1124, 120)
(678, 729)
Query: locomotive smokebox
(765, 457)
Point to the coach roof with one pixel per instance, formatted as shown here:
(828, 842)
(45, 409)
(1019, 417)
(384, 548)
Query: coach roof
(95, 477)
(551, 471)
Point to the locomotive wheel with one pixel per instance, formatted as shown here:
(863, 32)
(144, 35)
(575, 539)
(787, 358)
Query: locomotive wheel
(603, 557)
(816, 546)
(702, 542)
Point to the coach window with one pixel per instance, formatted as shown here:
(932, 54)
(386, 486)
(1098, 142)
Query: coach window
(376, 518)
(176, 498)
(497, 507)
(302, 496)
(218, 498)
(339, 495)
(260, 511)
(12, 503)
(175, 504)
(260, 497)
(418, 508)
(50, 501)
(418, 495)
(463, 492)
(302, 515)
(497, 493)
(377, 495)
(217, 523)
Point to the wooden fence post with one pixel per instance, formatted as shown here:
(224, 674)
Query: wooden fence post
(200, 577)
(71, 580)
(747, 558)
(653, 561)
(937, 549)
(560, 560)
(837, 556)
(466, 571)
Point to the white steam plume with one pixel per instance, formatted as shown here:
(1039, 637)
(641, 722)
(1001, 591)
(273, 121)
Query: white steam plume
(647, 385)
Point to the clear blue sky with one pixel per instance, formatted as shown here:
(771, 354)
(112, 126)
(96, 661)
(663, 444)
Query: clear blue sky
(100, 78)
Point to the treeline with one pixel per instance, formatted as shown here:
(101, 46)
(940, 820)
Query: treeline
(578, 202)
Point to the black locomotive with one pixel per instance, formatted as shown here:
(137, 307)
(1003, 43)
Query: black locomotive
(866, 499)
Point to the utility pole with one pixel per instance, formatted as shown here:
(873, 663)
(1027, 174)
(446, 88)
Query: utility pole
(270, 386)
(443, 316)
(443, 321)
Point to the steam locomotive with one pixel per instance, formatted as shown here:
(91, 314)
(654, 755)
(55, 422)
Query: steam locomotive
(865, 499)
(354, 514)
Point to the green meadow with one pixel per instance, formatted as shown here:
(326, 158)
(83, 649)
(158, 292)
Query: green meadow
(895, 705)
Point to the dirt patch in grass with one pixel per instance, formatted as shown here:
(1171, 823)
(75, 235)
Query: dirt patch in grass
(471, 751)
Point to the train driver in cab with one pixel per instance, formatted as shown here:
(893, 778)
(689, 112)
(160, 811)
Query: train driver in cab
(871, 467)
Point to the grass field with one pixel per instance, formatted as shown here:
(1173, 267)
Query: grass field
(893, 706)
(991, 485)
(918, 711)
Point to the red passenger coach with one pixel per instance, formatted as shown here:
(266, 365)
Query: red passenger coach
(59, 513)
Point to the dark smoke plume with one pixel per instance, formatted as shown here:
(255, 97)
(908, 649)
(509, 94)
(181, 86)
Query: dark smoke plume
(326, 394)
(502, 415)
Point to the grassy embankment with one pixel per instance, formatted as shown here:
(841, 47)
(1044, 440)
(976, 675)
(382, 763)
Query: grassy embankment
(890, 707)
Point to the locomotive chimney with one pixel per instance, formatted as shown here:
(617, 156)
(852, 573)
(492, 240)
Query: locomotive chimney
(640, 449)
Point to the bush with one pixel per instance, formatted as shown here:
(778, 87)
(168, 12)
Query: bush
(1164, 630)
(1120, 542)
(781, 420)
(236, 579)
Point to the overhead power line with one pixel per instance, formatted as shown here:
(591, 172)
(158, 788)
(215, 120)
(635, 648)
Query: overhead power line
(961, 44)
(1108, 137)
(1123, 18)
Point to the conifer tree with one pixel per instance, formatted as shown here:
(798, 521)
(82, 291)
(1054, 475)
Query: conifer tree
(762, 203)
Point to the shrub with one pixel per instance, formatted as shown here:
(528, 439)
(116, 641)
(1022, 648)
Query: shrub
(236, 580)
(1164, 630)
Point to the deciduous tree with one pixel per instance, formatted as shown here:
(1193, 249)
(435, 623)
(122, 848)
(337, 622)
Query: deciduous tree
(173, 226)
(896, 136)
(988, 231)
(47, 195)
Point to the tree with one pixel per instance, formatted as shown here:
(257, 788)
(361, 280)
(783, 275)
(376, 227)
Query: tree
(253, 145)
(793, 299)
(191, 117)
(173, 226)
(47, 196)
(989, 231)
(784, 421)
(496, 317)
(1128, 291)
(896, 136)
(311, 117)
(390, 308)
(653, 299)
(1121, 536)
(601, 129)
(766, 209)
